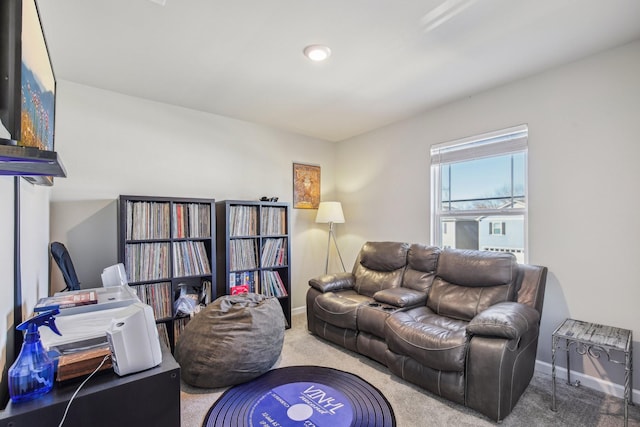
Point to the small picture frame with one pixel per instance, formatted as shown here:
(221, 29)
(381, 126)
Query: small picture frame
(306, 186)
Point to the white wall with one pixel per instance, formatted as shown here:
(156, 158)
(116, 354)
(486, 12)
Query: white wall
(34, 239)
(6, 266)
(583, 124)
(583, 185)
(34, 244)
(113, 144)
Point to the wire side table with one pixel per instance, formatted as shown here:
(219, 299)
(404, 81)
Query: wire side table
(594, 340)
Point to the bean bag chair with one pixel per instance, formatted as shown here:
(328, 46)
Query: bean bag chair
(233, 340)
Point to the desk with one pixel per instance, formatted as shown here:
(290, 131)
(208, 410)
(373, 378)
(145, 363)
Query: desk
(594, 340)
(147, 398)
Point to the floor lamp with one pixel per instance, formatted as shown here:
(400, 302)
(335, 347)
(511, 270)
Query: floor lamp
(331, 212)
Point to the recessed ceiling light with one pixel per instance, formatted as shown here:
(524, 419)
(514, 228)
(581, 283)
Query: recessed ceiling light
(317, 52)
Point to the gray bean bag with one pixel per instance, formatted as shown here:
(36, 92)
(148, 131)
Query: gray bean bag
(233, 340)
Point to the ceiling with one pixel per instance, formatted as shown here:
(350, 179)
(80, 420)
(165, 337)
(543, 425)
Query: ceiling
(390, 59)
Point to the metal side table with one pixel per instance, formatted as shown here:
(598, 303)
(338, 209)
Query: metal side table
(594, 340)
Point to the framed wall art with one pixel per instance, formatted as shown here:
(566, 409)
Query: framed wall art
(306, 186)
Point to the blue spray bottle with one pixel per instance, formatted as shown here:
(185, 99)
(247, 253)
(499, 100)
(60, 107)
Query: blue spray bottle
(31, 375)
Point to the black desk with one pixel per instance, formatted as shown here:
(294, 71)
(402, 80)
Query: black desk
(148, 398)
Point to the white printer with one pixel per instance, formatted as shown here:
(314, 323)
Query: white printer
(133, 340)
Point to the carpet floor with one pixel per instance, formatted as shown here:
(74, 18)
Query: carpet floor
(415, 407)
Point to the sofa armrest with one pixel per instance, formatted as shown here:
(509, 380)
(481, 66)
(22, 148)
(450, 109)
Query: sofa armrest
(401, 297)
(332, 282)
(508, 320)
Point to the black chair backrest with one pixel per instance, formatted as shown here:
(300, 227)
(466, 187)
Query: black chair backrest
(61, 256)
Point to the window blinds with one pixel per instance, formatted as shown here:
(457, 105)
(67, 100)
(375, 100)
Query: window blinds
(505, 141)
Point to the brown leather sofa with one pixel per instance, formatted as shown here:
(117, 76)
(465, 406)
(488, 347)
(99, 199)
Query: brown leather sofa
(462, 324)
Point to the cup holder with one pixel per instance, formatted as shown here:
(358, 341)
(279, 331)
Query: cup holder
(383, 307)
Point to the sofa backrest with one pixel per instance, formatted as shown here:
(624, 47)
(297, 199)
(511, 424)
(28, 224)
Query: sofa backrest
(467, 282)
(531, 283)
(380, 265)
(460, 283)
(422, 261)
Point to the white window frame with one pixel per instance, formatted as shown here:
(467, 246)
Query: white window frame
(511, 140)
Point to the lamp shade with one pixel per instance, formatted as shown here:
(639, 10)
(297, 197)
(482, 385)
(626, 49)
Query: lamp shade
(330, 212)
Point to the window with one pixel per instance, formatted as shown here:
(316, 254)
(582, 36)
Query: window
(479, 192)
(497, 228)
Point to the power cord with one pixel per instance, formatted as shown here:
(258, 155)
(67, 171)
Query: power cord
(81, 385)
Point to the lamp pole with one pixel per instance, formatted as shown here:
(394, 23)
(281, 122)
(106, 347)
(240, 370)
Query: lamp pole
(332, 234)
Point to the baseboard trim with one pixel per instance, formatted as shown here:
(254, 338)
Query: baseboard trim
(594, 383)
(298, 310)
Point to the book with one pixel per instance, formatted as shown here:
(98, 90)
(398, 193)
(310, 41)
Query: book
(163, 334)
(66, 300)
(178, 327)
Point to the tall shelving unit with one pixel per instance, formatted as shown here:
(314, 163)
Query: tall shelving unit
(254, 250)
(165, 242)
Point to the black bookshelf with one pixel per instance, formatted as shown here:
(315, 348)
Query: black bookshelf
(165, 242)
(254, 249)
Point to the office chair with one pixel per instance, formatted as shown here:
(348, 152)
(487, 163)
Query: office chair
(61, 256)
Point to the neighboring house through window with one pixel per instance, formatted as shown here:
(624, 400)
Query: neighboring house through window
(479, 192)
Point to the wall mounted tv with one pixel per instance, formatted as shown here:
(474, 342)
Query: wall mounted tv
(27, 95)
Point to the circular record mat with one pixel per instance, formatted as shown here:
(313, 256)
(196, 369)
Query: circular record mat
(302, 396)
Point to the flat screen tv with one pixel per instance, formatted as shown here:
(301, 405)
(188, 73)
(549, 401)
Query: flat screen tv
(27, 92)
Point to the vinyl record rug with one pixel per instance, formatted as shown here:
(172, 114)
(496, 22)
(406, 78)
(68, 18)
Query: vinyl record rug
(309, 396)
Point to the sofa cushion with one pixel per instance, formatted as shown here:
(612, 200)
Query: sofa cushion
(332, 282)
(400, 297)
(432, 340)
(384, 256)
(372, 317)
(508, 320)
(468, 282)
(380, 266)
(477, 268)
(422, 261)
(339, 308)
(448, 384)
(423, 257)
(463, 302)
(368, 282)
(347, 338)
(417, 280)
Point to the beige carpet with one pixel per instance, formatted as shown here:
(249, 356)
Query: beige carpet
(414, 407)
